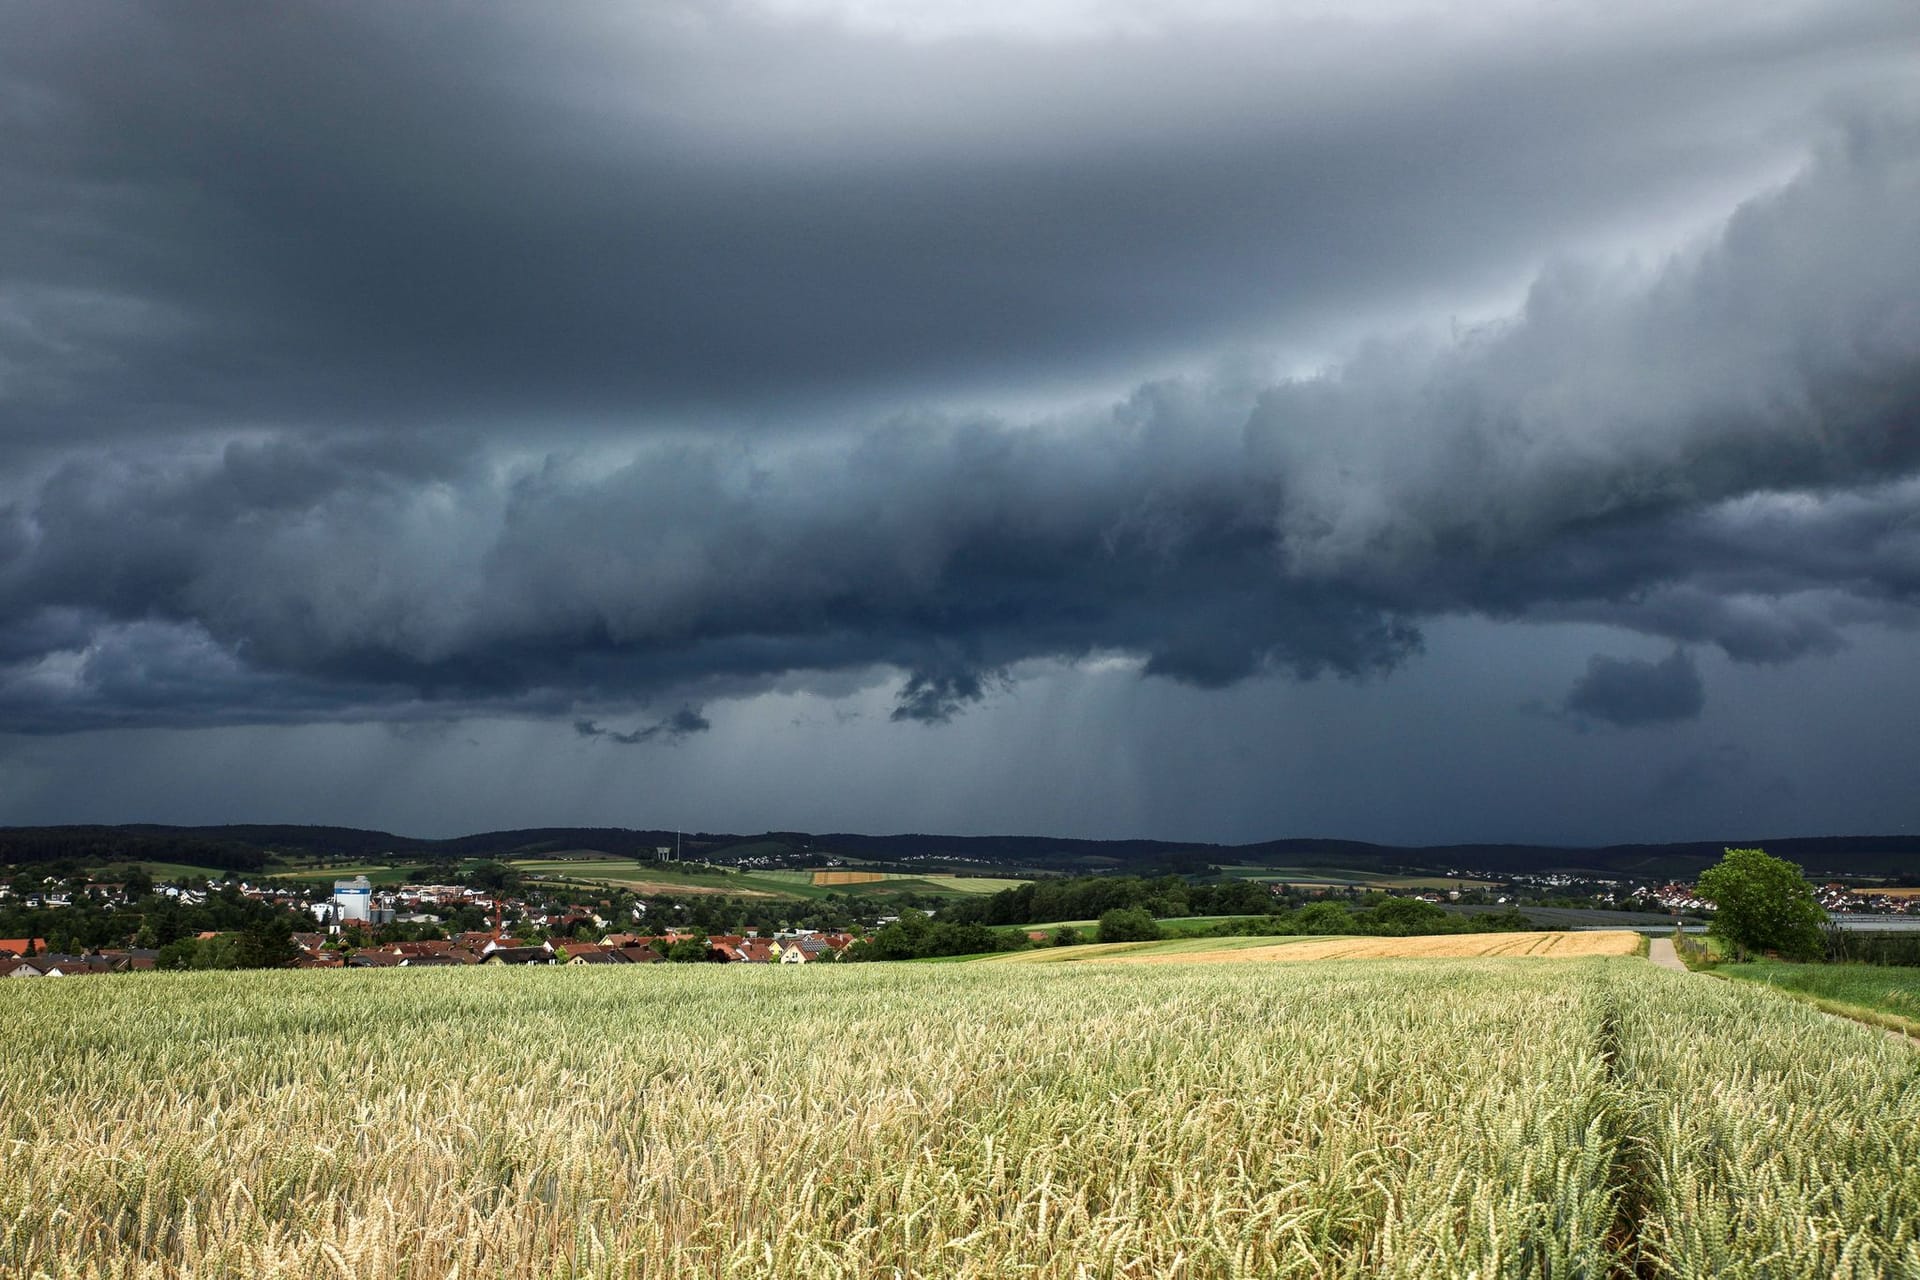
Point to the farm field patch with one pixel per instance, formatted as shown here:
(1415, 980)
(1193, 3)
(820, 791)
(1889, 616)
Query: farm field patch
(973, 884)
(177, 870)
(1331, 877)
(1174, 947)
(927, 881)
(848, 877)
(650, 878)
(1170, 923)
(1452, 946)
(1399, 1119)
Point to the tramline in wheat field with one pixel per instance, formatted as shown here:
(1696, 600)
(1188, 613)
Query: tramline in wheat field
(1586, 1117)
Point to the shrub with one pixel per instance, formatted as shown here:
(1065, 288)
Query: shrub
(1128, 924)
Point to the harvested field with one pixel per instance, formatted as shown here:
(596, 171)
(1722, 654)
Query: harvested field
(824, 878)
(1452, 946)
(1890, 891)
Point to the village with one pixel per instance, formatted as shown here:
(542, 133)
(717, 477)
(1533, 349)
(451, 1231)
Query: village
(282, 923)
(359, 927)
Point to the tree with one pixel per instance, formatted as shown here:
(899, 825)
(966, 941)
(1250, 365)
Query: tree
(267, 944)
(1325, 917)
(177, 954)
(1505, 920)
(494, 876)
(688, 951)
(1763, 903)
(1407, 917)
(1128, 924)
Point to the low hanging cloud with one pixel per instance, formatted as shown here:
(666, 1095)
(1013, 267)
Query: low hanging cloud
(1630, 693)
(1720, 452)
(682, 723)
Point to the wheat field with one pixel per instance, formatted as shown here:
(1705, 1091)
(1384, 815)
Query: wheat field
(1441, 1118)
(848, 877)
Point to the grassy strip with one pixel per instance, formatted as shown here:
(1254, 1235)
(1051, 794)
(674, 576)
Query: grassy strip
(1873, 994)
(1696, 951)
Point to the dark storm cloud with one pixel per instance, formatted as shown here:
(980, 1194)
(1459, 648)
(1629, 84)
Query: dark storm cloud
(290, 278)
(672, 728)
(1720, 453)
(440, 214)
(934, 697)
(1629, 693)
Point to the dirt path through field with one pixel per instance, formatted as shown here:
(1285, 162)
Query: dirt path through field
(1661, 952)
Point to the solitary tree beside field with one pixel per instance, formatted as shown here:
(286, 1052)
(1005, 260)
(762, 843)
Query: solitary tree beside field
(1763, 903)
(1128, 924)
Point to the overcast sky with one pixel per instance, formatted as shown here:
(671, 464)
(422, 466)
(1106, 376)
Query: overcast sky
(1396, 420)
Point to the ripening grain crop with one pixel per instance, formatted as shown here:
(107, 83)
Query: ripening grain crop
(1773, 1140)
(867, 1121)
(1435, 1118)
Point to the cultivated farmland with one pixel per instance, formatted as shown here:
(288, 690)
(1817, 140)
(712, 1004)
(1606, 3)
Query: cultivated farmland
(1515, 1117)
(945, 883)
(696, 879)
(848, 877)
(1452, 946)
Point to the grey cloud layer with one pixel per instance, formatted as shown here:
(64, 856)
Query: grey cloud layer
(1724, 451)
(443, 216)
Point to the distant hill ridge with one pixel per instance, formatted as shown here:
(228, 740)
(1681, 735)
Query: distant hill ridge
(247, 847)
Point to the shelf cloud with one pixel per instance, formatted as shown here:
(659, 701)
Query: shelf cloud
(1721, 452)
(366, 364)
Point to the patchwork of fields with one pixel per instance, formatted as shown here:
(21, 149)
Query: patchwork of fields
(1587, 1117)
(938, 882)
(695, 879)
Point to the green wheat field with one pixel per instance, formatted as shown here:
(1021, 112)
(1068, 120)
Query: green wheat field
(1469, 1118)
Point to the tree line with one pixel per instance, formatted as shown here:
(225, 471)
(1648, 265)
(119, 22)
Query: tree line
(91, 846)
(1088, 897)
